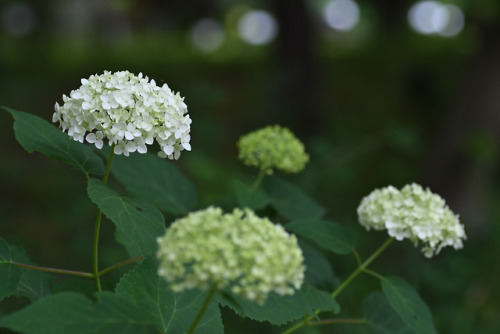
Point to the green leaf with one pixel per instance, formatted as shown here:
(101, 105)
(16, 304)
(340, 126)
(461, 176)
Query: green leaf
(290, 201)
(156, 180)
(65, 313)
(36, 134)
(138, 223)
(33, 284)
(406, 302)
(380, 317)
(169, 312)
(250, 197)
(326, 234)
(10, 274)
(279, 310)
(319, 271)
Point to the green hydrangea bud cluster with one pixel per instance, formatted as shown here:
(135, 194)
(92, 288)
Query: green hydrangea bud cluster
(273, 147)
(412, 213)
(238, 252)
(127, 111)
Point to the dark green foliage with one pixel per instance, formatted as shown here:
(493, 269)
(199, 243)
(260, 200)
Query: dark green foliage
(73, 313)
(249, 197)
(325, 234)
(10, 274)
(290, 201)
(380, 317)
(169, 312)
(406, 302)
(156, 180)
(138, 223)
(280, 310)
(36, 134)
(19, 281)
(33, 284)
(319, 271)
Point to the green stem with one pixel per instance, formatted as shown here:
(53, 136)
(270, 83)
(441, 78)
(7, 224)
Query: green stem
(119, 264)
(373, 273)
(298, 325)
(97, 226)
(78, 273)
(358, 258)
(202, 310)
(259, 178)
(361, 268)
(95, 250)
(108, 166)
(55, 270)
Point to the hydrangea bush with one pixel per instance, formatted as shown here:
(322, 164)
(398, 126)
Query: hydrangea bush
(185, 260)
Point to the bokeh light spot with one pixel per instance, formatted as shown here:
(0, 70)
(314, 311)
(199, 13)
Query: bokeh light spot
(207, 35)
(257, 27)
(456, 21)
(433, 17)
(342, 15)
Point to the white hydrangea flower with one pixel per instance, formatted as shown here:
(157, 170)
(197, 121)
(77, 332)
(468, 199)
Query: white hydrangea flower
(238, 251)
(128, 112)
(412, 213)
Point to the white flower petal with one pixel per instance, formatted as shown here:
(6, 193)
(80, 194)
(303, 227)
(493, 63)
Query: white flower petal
(168, 149)
(91, 138)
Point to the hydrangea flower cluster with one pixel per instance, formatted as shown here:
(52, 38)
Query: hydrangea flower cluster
(238, 251)
(129, 112)
(412, 213)
(273, 147)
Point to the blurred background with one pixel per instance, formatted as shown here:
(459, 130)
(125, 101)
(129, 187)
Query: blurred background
(381, 92)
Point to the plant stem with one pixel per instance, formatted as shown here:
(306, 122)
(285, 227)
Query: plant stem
(298, 325)
(373, 273)
(202, 310)
(358, 258)
(55, 270)
(95, 250)
(361, 268)
(108, 166)
(97, 226)
(78, 273)
(119, 264)
(259, 178)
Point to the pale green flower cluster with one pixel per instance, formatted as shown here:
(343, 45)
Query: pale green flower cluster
(412, 213)
(239, 252)
(127, 111)
(273, 147)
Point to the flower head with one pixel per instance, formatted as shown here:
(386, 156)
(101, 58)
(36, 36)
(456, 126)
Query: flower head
(238, 251)
(273, 147)
(127, 111)
(412, 213)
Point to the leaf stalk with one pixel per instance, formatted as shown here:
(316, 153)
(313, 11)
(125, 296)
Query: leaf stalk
(97, 226)
(361, 268)
(202, 310)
